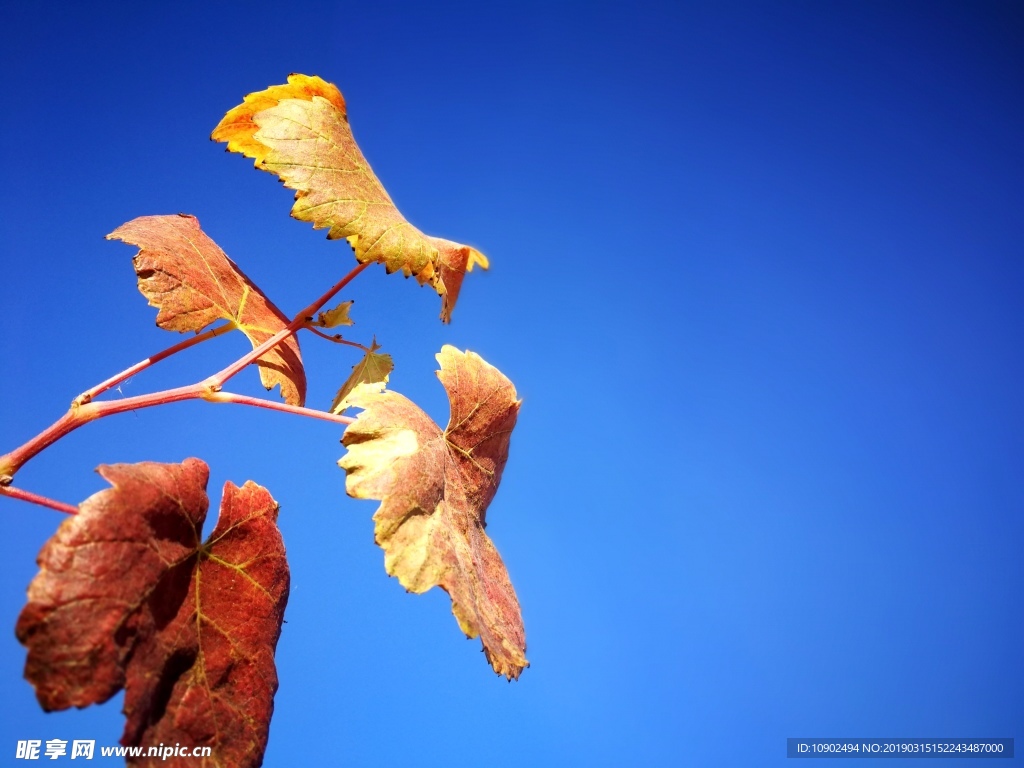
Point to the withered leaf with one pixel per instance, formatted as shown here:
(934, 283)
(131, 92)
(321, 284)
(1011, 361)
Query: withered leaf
(128, 596)
(332, 318)
(372, 371)
(434, 489)
(193, 283)
(300, 132)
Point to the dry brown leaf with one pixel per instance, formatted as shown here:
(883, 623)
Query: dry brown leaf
(193, 283)
(434, 489)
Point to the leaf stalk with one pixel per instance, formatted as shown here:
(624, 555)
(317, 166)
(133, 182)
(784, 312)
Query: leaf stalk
(35, 498)
(90, 394)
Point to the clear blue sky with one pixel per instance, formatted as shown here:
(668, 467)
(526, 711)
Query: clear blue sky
(758, 275)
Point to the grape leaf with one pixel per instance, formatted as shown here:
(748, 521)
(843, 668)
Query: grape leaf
(332, 318)
(434, 489)
(373, 370)
(300, 132)
(193, 283)
(128, 597)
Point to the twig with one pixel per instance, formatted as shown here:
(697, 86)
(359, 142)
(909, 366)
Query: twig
(127, 373)
(336, 338)
(231, 397)
(35, 498)
(215, 382)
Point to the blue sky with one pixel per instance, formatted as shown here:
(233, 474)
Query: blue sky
(757, 275)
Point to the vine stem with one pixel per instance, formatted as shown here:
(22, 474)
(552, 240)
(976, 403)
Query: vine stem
(215, 382)
(127, 373)
(231, 397)
(84, 409)
(336, 338)
(35, 498)
(79, 415)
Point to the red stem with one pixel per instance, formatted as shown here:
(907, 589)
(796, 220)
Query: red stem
(231, 397)
(215, 382)
(90, 394)
(336, 338)
(84, 410)
(83, 414)
(34, 498)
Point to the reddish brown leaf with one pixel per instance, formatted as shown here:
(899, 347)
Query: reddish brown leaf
(300, 132)
(435, 488)
(128, 596)
(193, 283)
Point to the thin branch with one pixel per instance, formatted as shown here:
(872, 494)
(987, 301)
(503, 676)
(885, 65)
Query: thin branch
(215, 382)
(113, 381)
(103, 408)
(82, 414)
(34, 498)
(336, 338)
(84, 409)
(231, 397)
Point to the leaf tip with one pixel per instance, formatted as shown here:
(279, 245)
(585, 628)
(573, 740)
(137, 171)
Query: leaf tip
(477, 259)
(453, 262)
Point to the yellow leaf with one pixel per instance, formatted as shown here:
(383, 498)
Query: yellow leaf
(434, 489)
(237, 127)
(332, 318)
(372, 372)
(300, 132)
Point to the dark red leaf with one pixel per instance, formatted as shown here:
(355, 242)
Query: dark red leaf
(128, 596)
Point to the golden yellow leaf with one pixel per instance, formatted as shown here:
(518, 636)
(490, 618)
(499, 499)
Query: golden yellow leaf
(300, 132)
(372, 371)
(237, 127)
(332, 318)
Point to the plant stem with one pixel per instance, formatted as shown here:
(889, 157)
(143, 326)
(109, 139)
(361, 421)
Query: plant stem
(215, 382)
(34, 498)
(84, 409)
(231, 397)
(336, 338)
(83, 414)
(113, 381)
